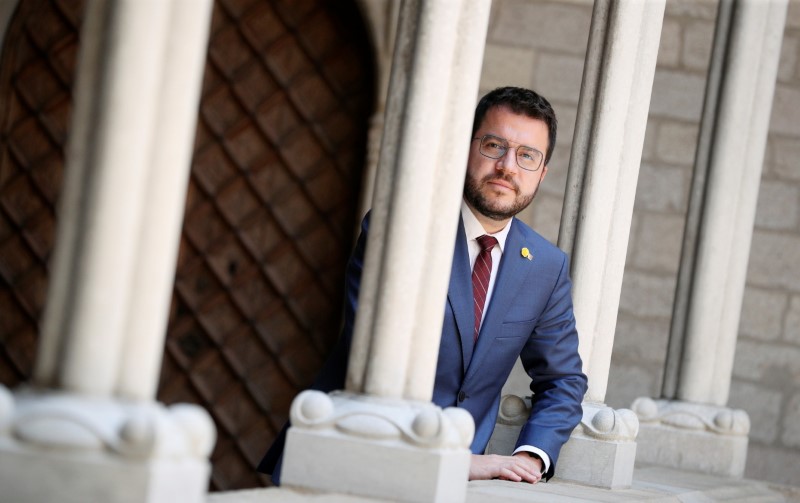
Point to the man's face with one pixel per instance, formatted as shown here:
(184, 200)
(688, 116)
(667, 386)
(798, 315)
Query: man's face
(500, 188)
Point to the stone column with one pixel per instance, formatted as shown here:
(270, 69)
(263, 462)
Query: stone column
(595, 226)
(381, 18)
(691, 419)
(385, 422)
(90, 428)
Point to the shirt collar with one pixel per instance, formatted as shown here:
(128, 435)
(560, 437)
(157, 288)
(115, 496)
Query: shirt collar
(473, 228)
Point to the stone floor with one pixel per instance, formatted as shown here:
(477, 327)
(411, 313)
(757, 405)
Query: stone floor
(652, 484)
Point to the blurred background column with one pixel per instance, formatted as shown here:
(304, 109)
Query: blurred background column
(691, 418)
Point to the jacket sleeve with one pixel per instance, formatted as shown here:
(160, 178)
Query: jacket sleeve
(333, 373)
(551, 359)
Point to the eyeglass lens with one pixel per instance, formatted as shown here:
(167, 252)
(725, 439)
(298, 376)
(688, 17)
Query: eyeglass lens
(527, 158)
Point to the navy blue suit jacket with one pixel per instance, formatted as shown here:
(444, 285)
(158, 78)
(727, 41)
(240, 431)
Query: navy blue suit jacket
(529, 315)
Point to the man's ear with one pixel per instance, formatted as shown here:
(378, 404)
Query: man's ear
(544, 173)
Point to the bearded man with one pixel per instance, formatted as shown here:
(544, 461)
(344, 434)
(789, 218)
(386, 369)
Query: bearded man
(509, 296)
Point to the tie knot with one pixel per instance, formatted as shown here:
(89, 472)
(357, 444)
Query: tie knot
(486, 242)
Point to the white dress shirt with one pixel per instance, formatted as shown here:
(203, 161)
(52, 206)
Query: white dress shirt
(473, 229)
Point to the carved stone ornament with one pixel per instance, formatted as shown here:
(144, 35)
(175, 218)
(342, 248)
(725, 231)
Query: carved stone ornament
(599, 421)
(420, 424)
(514, 410)
(130, 429)
(692, 416)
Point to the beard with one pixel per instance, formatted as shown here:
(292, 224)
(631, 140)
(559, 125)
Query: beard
(493, 208)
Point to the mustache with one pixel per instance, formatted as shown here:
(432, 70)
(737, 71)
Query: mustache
(491, 177)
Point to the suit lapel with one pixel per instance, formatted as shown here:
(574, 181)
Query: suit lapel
(459, 294)
(514, 269)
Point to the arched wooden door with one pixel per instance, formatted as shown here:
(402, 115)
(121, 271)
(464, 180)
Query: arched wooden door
(270, 210)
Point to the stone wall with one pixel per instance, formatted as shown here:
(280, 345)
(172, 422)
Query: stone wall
(766, 375)
(542, 45)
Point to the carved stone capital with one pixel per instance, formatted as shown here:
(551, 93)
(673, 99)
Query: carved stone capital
(514, 410)
(599, 421)
(692, 416)
(414, 423)
(355, 439)
(600, 452)
(604, 423)
(682, 434)
(129, 429)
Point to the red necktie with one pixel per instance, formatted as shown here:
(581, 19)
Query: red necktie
(480, 278)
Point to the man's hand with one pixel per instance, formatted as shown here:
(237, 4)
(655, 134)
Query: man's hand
(519, 467)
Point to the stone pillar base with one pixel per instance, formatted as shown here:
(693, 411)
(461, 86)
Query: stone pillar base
(596, 462)
(688, 436)
(602, 449)
(600, 452)
(381, 448)
(68, 448)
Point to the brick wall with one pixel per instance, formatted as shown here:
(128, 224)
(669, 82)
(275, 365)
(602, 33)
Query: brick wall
(542, 45)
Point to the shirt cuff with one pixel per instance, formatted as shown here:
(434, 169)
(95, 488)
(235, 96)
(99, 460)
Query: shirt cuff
(538, 452)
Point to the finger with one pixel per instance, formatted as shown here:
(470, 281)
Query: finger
(532, 477)
(530, 463)
(534, 468)
(508, 474)
(536, 475)
(525, 473)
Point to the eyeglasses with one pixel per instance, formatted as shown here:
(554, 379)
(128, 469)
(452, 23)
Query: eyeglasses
(494, 147)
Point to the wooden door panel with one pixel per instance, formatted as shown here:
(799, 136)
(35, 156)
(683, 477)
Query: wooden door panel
(270, 206)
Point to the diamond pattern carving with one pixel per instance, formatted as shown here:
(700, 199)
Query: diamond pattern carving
(35, 90)
(270, 206)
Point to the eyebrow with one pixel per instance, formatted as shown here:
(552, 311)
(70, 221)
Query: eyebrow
(509, 142)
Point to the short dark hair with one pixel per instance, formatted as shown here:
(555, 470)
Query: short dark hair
(523, 102)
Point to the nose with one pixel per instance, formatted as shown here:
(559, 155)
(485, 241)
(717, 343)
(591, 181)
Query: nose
(508, 162)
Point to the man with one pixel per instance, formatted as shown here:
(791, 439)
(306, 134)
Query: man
(509, 297)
